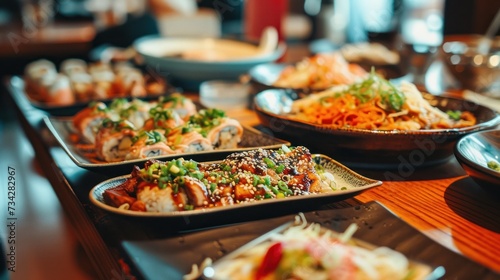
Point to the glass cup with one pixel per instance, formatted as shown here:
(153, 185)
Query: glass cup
(421, 34)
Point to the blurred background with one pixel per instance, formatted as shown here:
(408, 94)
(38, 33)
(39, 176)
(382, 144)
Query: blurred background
(58, 29)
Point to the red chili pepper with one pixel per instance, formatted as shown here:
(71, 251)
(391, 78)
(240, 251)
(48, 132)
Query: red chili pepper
(270, 261)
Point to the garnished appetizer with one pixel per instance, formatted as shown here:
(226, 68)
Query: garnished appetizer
(309, 251)
(127, 130)
(320, 71)
(242, 177)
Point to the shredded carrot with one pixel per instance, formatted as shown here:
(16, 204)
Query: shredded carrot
(376, 105)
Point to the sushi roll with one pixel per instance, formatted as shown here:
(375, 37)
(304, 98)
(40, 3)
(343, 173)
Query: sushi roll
(123, 66)
(98, 67)
(82, 86)
(114, 139)
(104, 84)
(167, 119)
(190, 142)
(38, 69)
(184, 106)
(149, 144)
(226, 135)
(135, 111)
(59, 92)
(40, 88)
(162, 200)
(130, 82)
(190, 194)
(72, 66)
(222, 132)
(38, 76)
(87, 121)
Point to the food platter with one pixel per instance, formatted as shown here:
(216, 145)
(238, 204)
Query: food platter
(297, 237)
(174, 256)
(350, 182)
(371, 148)
(477, 152)
(17, 83)
(207, 59)
(62, 128)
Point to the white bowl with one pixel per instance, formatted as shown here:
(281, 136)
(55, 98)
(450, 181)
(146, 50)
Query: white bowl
(187, 62)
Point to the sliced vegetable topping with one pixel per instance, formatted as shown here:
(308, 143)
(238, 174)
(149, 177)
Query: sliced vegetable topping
(270, 261)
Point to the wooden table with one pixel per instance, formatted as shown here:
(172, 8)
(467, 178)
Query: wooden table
(441, 202)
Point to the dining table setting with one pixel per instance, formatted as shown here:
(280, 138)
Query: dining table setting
(183, 159)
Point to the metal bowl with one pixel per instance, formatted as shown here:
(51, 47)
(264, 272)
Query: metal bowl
(475, 151)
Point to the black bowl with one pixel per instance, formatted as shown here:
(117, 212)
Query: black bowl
(361, 148)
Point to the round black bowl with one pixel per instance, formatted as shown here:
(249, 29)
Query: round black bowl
(375, 149)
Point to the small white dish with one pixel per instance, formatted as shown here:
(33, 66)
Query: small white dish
(225, 94)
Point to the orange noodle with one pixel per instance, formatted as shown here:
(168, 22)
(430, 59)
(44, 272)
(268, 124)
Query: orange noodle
(376, 104)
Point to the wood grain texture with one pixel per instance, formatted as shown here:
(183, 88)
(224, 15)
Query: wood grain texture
(454, 212)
